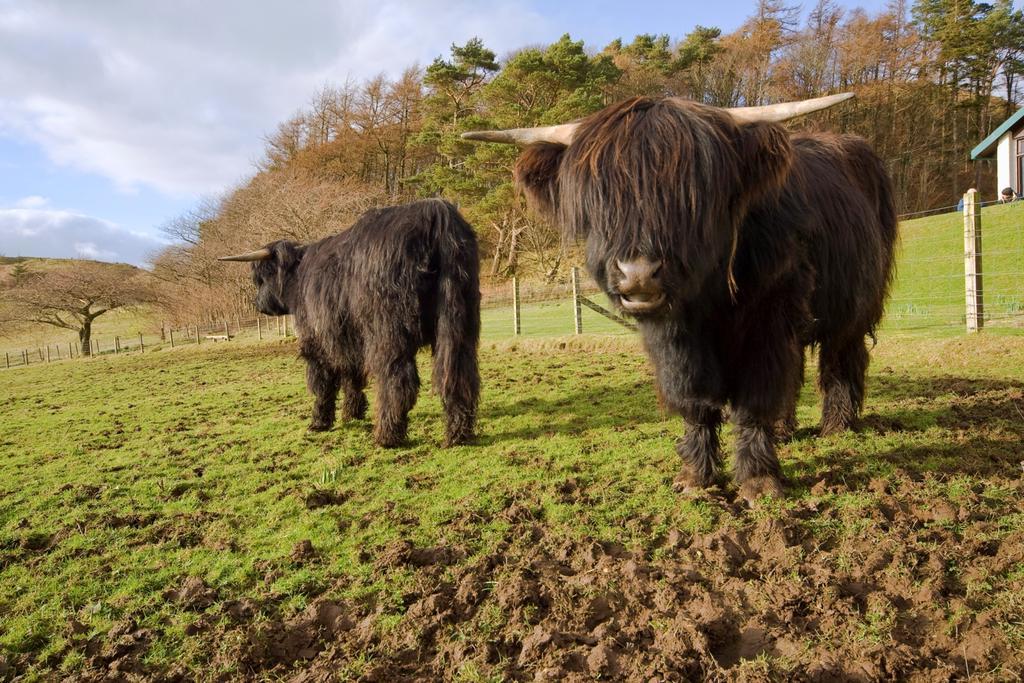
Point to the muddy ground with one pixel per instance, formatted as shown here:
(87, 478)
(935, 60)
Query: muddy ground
(774, 595)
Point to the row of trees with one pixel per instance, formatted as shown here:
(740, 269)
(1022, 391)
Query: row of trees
(932, 79)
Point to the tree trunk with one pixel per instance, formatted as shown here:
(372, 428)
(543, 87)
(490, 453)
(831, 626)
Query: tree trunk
(85, 337)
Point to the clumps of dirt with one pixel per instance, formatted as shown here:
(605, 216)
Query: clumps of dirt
(321, 498)
(303, 552)
(118, 656)
(787, 595)
(242, 610)
(193, 593)
(132, 520)
(81, 492)
(269, 645)
(406, 554)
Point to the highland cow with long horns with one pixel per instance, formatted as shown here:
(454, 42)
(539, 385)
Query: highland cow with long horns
(735, 245)
(367, 299)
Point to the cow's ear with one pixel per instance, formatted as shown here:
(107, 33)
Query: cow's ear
(765, 156)
(287, 254)
(536, 175)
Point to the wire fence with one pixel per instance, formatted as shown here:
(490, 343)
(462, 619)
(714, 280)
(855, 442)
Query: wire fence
(931, 294)
(931, 291)
(253, 328)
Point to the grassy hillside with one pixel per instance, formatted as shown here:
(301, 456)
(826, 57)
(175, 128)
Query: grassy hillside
(168, 514)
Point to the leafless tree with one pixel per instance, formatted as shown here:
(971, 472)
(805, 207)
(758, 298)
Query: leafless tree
(72, 295)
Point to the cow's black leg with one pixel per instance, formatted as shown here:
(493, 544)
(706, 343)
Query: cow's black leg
(699, 448)
(399, 384)
(767, 380)
(354, 406)
(757, 468)
(353, 384)
(842, 368)
(323, 382)
(690, 384)
(786, 425)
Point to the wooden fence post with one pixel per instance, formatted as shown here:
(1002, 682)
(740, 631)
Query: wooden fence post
(972, 262)
(7, 357)
(142, 347)
(57, 346)
(117, 344)
(516, 311)
(259, 328)
(24, 354)
(170, 333)
(197, 335)
(227, 332)
(285, 318)
(47, 353)
(39, 350)
(577, 314)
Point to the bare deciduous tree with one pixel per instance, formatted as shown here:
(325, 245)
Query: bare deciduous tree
(72, 295)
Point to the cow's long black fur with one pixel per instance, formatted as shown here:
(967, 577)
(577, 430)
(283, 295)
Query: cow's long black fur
(367, 299)
(770, 242)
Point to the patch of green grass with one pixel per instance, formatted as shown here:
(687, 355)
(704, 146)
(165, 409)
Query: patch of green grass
(122, 476)
(928, 292)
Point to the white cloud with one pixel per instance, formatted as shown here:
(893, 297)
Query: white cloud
(178, 95)
(66, 234)
(31, 202)
(89, 250)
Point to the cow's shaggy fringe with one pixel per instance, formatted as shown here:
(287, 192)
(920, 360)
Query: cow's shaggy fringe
(367, 299)
(770, 242)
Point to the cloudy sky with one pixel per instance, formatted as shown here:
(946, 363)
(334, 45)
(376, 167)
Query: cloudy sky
(117, 115)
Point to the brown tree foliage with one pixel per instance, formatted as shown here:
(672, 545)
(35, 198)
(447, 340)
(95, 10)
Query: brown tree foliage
(932, 79)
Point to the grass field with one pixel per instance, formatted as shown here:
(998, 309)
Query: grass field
(166, 515)
(928, 293)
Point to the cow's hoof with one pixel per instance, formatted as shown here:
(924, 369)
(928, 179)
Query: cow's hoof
(785, 430)
(752, 490)
(688, 481)
(457, 440)
(320, 426)
(356, 410)
(388, 439)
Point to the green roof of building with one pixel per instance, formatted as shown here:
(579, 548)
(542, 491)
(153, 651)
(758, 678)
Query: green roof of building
(984, 148)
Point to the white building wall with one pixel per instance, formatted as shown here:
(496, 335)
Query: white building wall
(1003, 159)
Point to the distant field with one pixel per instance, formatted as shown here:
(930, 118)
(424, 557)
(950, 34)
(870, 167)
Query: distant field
(168, 516)
(928, 293)
(124, 323)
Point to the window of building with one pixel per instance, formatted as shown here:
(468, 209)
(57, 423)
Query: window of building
(1020, 166)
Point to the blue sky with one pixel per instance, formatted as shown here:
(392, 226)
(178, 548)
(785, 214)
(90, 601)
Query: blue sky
(117, 115)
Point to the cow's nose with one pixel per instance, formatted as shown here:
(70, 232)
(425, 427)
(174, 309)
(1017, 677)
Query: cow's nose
(639, 284)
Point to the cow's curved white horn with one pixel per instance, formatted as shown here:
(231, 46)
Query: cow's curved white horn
(258, 255)
(786, 110)
(563, 134)
(560, 134)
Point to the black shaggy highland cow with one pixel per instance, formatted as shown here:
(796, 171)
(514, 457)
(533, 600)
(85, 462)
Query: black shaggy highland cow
(367, 299)
(735, 245)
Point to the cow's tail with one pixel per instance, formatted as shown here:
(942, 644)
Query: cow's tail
(456, 376)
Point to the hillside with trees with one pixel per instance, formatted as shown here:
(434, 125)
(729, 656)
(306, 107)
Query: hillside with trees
(61, 295)
(932, 78)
